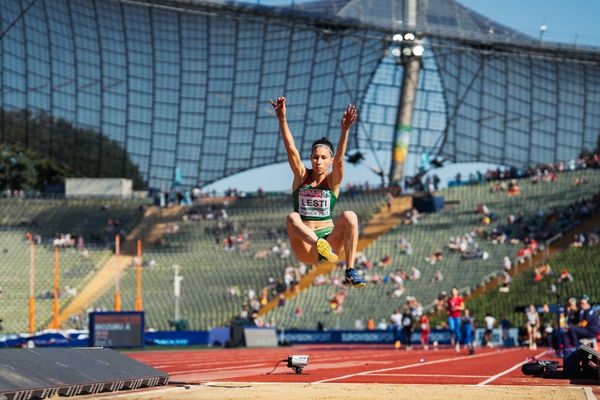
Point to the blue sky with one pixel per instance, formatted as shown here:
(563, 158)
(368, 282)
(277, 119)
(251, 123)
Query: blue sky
(564, 19)
(567, 22)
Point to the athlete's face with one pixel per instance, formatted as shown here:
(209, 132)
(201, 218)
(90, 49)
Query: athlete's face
(320, 159)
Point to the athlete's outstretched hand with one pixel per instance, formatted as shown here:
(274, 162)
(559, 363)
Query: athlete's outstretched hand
(279, 106)
(350, 117)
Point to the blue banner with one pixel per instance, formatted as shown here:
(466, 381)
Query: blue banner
(176, 338)
(442, 336)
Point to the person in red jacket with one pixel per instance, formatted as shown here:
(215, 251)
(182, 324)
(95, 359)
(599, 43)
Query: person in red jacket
(455, 306)
(425, 329)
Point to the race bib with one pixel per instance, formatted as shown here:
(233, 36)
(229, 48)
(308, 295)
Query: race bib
(314, 202)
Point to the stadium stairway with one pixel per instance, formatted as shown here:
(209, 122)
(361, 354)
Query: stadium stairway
(95, 288)
(381, 223)
(149, 230)
(152, 226)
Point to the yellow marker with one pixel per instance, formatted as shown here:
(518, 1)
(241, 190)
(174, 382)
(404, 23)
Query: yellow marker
(397, 344)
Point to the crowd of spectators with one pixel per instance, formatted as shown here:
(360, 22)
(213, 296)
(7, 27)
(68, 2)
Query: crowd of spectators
(502, 178)
(517, 228)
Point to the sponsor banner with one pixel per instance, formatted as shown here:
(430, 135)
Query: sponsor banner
(442, 336)
(176, 338)
(311, 337)
(81, 338)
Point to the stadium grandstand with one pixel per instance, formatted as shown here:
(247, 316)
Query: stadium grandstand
(168, 89)
(174, 95)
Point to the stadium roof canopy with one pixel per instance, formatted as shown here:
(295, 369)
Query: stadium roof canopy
(182, 85)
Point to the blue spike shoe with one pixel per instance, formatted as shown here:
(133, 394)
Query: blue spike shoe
(354, 279)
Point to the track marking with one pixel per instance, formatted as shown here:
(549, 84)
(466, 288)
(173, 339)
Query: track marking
(434, 375)
(507, 371)
(443, 360)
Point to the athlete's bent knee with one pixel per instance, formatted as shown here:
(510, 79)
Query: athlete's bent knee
(350, 217)
(292, 217)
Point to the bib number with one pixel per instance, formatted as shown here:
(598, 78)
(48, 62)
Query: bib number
(314, 203)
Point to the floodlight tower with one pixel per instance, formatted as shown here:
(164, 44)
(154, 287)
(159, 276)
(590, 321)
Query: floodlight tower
(409, 54)
(543, 28)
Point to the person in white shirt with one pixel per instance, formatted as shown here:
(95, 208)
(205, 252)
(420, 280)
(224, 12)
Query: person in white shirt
(490, 322)
(396, 319)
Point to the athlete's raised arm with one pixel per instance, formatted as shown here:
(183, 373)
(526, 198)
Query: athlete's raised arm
(337, 173)
(298, 169)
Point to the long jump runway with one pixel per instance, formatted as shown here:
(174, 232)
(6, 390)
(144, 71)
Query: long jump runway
(361, 372)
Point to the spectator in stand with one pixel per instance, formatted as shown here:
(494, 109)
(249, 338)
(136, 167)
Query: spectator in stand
(533, 326)
(371, 324)
(589, 324)
(579, 240)
(438, 276)
(507, 264)
(505, 280)
(455, 306)
(490, 323)
(385, 261)
(474, 254)
(415, 274)
(281, 301)
(565, 276)
(435, 257)
(436, 182)
(404, 246)
(513, 189)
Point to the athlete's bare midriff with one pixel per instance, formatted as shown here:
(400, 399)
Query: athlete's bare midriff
(314, 225)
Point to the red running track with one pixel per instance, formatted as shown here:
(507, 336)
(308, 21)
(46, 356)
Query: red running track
(349, 364)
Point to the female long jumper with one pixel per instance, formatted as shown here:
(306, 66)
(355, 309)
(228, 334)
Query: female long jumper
(312, 233)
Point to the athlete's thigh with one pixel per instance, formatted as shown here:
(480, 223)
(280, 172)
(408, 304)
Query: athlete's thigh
(305, 253)
(336, 237)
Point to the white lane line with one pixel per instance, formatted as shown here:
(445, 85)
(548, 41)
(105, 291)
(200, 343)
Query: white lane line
(443, 360)
(434, 375)
(507, 371)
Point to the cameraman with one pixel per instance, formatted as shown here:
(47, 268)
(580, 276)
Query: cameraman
(589, 324)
